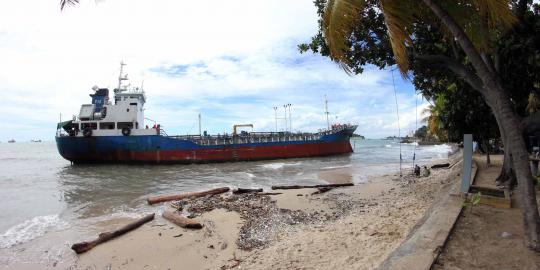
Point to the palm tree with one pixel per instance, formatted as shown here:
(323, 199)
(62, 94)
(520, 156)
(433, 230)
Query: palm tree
(433, 119)
(469, 23)
(63, 3)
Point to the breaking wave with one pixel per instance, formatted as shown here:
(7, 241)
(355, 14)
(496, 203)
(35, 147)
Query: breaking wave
(30, 229)
(279, 165)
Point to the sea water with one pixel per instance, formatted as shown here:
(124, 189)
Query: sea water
(45, 198)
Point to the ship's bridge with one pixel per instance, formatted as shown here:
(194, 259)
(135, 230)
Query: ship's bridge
(103, 118)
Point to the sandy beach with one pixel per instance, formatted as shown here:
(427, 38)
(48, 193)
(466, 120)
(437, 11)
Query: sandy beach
(345, 228)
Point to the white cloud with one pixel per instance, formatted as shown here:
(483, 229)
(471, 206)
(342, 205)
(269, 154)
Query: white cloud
(239, 60)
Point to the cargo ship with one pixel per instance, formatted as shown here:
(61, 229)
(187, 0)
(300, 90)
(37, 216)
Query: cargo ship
(115, 132)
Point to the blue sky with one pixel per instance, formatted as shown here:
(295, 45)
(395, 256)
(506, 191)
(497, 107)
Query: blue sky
(231, 61)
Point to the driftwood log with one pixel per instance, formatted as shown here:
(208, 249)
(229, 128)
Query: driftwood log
(321, 190)
(268, 193)
(158, 199)
(247, 190)
(313, 186)
(181, 221)
(106, 236)
(443, 165)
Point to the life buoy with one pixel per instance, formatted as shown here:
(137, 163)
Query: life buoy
(126, 131)
(87, 132)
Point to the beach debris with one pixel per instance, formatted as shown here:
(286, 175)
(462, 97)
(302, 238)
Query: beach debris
(506, 235)
(176, 206)
(269, 193)
(322, 190)
(106, 236)
(158, 199)
(442, 165)
(312, 186)
(178, 235)
(181, 221)
(246, 190)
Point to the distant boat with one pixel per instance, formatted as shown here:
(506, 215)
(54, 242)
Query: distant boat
(11, 141)
(35, 140)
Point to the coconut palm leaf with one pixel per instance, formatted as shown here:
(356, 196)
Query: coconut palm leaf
(63, 3)
(339, 19)
(496, 12)
(476, 17)
(399, 17)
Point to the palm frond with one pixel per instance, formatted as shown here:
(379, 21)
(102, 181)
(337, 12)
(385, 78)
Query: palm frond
(496, 12)
(338, 23)
(533, 104)
(398, 16)
(478, 18)
(63, 3)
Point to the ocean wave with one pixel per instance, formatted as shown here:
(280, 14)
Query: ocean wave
(279, 165)
(387, 146)
(335, 167)
(31, 229)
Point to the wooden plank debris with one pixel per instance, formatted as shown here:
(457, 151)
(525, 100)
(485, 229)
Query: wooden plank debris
(247, 190)
(181, 221)
(177, 197)
(313, 186)
(106, 236)
(442, 165)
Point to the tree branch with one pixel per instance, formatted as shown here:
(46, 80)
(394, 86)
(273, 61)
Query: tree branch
(456, 67)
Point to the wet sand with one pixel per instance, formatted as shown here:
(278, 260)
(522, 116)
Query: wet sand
(354, 228)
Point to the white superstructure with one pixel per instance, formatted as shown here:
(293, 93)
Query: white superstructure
(124, 116)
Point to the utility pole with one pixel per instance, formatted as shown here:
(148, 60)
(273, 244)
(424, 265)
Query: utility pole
(285, 111)
(326, 112)
(290, 118)
(200, 133)
(275, 113)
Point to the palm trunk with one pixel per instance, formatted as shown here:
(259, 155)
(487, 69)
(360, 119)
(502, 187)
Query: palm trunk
(497, 98)
(507, 177)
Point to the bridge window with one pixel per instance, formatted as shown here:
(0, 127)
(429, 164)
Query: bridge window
(89, 125)
(121, 125)
(109, 125)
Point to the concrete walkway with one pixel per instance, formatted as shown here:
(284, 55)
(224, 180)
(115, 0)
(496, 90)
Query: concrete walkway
(425, 242)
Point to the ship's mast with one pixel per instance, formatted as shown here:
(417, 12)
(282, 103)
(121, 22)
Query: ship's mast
(275, 113)
(200, 133)
(326, 111)
(121, 77)
(290, 119)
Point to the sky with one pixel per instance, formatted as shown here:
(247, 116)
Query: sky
(230, 61)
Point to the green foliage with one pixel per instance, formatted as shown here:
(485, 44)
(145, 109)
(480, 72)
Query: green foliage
(474, 201)
(421, 133)
(479, 19)
(515, 54)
